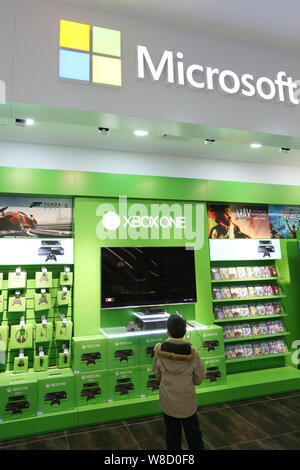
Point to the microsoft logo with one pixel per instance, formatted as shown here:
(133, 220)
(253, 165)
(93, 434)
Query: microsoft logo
(90, 53)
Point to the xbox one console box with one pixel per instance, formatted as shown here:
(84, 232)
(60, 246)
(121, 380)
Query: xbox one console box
(215, 371)
(208, 340)
(91, 388)
(147, 344)
(123, 384)
(56, 391)
(149, 382)
(89, 353)
(18, 396)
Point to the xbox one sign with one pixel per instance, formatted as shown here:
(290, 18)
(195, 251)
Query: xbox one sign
(112, 221)
(151, 221)
(282, 89)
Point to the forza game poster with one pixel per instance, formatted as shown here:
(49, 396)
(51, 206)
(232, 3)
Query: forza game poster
(34, 217)
(237, 221)
(284, 221)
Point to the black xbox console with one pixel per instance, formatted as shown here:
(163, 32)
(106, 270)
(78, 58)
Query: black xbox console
(152, 319)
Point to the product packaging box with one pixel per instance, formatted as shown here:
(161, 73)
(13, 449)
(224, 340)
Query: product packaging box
(123, 384)
(4, 333)
(42, 301)
(40, 363)
(56, 390)
(17, 280)
(63, 330)
(89, 353)
(63, 297)
(147, 344)
(21, 364)
(43, 332)
(1, 281)
(18, 396)
(215, 371)
(43, 280)
(149, 382)
(21, 336)
(1, 302)
(91, 388)
(66, 279)
(17, 302)
(208, 340)
(64, 360)
(123, 352)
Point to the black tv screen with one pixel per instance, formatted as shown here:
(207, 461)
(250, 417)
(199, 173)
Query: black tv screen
(147, 276)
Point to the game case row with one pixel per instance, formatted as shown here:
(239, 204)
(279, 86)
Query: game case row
(254, 349)
(253, 329)
(243, 272)
(251, 310)
(233, 292)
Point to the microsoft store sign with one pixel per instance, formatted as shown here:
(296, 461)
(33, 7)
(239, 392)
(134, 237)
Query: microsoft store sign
(282, 89)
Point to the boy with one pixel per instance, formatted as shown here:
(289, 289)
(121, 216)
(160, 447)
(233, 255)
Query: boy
(178, 367)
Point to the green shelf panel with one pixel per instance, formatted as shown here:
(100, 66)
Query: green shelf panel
(237, 319)
(257, 337)
(252, 279)
(245, 299)
(254, 358)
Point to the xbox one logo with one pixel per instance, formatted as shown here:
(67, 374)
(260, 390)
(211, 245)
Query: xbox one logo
(111, 221)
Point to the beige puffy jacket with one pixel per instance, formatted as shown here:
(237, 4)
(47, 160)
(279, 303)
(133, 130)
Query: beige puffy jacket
(179, 368)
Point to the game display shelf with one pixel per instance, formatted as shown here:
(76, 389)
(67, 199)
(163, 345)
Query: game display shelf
(247, 303)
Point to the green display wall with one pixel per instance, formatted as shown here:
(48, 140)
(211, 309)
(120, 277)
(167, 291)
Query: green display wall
(91, 190)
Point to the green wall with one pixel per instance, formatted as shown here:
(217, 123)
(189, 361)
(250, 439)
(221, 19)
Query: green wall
(91, 189)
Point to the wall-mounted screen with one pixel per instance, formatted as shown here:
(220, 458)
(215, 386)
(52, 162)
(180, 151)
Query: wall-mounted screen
(146, 276)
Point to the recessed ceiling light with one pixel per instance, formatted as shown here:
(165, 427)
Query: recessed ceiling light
(209, 141)
(141, 133)
(24, 122)
(284, 149)
(255, 145)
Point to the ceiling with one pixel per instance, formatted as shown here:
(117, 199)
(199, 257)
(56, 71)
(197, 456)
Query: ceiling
(67, 127)
(269, 22)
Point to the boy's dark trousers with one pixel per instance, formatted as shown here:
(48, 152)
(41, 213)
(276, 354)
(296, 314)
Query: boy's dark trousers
(191, 428)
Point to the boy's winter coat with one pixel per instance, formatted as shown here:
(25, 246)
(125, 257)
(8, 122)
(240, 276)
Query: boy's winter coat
(179, 368)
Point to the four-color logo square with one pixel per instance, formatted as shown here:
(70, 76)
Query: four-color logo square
(90, 54)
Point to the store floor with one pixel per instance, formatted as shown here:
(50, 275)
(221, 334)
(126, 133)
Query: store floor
(271, 423)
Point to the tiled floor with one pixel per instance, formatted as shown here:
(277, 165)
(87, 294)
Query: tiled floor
(270, 423)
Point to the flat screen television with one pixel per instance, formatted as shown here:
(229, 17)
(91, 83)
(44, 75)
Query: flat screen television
(147, 276)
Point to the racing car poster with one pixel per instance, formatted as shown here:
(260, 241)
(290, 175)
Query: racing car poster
(34, 217)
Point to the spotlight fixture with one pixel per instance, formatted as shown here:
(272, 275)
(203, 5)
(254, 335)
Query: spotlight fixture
(103, 130)
(24, 122)
(255, 145)
(141, 133)
(209, 141)
(284, 149)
